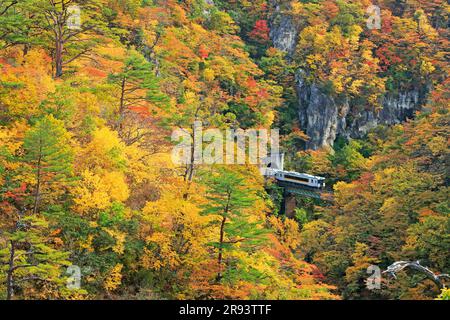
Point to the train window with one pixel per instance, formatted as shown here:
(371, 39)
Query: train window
(297, 178)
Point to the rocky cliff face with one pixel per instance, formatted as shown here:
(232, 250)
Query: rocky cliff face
(283, 31)
(321, 116)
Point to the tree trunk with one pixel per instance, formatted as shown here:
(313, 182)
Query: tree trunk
(190, 169)
(222, 237)
(59, 49)
(122, 106)
(58, 60)
(220, 257)
(26, 49)
(9, 273)
(38, 185)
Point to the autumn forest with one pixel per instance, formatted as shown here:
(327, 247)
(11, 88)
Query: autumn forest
(93, 207)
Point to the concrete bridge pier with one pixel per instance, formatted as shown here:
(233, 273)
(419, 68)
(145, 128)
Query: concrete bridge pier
(289, 204)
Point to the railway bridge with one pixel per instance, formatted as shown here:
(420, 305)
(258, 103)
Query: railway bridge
(292, 190)
(274, 169)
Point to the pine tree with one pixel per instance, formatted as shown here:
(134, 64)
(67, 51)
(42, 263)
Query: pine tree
(13, 23)
(48, 152)
(138, 88)
(229, 198)
(26, 256)
(71, 38)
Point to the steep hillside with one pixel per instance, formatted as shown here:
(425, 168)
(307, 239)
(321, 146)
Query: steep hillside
(349, 95)
(96, 94)
(349, 76)
(88, 189)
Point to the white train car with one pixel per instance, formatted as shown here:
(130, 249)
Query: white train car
(301, 178)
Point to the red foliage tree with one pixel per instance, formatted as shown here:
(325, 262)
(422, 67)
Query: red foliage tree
(260, 32)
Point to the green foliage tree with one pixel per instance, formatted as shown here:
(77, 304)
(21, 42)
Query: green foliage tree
(348, 157)
(138, 91)
(100, 244)
(13, 23)
(67, 37)
(228, 199)
(27, 257)
(48, 152)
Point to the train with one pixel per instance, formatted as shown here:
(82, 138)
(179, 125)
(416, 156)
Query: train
(300, 178)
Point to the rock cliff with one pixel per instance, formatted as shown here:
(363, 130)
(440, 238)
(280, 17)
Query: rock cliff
(322, 117)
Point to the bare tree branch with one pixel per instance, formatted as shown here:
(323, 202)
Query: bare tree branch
(415, 265)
